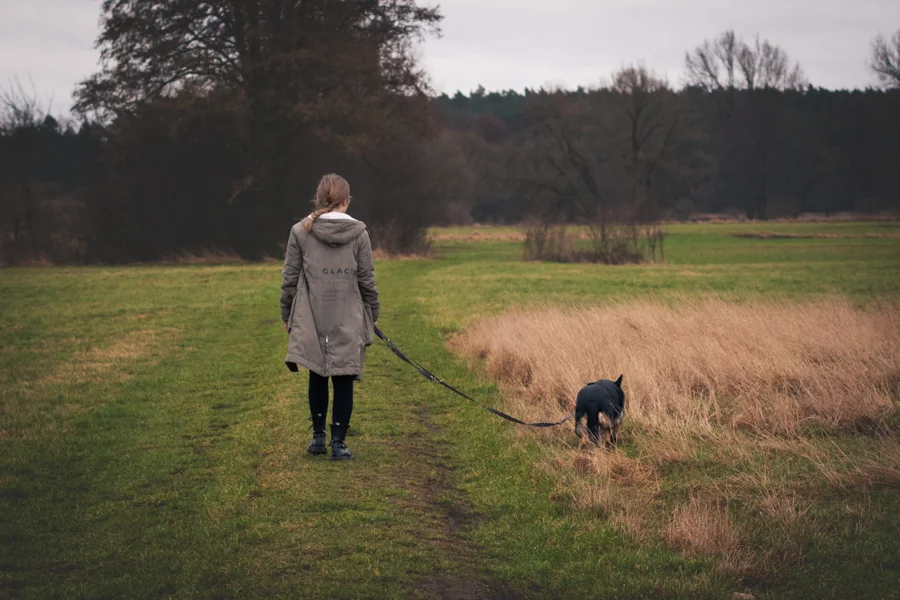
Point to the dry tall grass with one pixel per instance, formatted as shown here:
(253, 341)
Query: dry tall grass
(771, 367)
(477, 234)
(707, 383)
(703, 528)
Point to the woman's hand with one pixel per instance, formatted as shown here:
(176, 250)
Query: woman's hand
(286, 328)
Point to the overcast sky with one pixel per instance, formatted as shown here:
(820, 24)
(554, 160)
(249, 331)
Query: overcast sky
(513, 44)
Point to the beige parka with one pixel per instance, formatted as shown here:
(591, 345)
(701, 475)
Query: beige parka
(328, 296)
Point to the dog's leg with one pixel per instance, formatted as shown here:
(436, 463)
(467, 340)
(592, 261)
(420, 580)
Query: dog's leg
(579, 430)
(602, 430)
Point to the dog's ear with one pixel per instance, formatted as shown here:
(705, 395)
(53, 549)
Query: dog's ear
(619, 382)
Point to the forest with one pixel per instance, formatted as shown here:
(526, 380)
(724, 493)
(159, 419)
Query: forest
(209, 124)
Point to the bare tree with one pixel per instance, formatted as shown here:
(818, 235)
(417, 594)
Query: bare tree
(19, 108)
(21, 116)
(728, 63)
(712, 65)
(652, 120)
(743, 79)
(568, 159)
(885, 60)
(652, 117)
(595, 158)
(768, 67)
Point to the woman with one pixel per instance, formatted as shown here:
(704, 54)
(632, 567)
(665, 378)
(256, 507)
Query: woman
(329, 306)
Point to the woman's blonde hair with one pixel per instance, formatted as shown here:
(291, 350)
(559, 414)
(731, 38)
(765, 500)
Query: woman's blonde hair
(333, 190)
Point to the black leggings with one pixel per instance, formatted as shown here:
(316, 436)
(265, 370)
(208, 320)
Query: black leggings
(343, 397)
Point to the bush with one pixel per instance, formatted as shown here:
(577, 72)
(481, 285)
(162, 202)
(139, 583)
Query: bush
(616, 245)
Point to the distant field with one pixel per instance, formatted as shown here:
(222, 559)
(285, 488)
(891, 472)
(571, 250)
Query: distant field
(152, 443)
(486, 276)
(861, 229)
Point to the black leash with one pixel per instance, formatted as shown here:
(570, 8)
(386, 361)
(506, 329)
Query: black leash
(432, 377)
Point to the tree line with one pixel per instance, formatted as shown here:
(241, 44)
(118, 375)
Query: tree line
(208, 125)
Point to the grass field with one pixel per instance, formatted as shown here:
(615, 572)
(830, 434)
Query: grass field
(153, 444)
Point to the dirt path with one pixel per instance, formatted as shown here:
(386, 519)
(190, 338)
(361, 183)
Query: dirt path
(449, 514)
(426, 470)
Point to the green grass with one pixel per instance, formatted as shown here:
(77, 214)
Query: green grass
(484, 278)
(153, 444)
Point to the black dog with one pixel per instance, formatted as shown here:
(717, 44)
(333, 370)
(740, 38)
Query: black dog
(602, 405)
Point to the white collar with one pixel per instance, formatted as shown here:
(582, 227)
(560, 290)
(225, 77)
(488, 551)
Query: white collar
(336, 215)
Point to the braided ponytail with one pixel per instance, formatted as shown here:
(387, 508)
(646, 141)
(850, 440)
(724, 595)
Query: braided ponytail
(333, 190)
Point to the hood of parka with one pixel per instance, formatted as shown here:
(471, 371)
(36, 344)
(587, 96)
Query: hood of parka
(336, 232)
